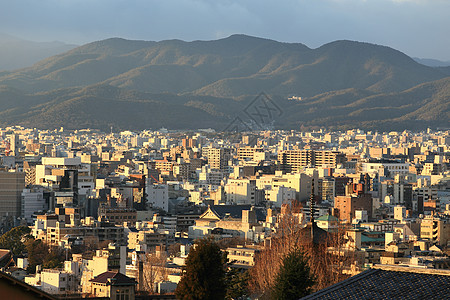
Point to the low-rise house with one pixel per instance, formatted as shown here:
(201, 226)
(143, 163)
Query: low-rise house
(242, 256)
(113, 285)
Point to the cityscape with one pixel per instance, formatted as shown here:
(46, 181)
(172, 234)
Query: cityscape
(225, 150)
(129, 206)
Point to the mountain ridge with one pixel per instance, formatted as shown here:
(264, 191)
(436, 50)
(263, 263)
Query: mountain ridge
(208, 83)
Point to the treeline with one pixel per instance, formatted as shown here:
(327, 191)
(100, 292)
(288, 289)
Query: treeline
(22, 244)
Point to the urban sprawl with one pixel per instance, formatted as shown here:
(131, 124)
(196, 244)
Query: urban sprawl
(125, 208)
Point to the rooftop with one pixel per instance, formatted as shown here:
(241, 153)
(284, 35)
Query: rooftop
(113, 278)
(390, 282)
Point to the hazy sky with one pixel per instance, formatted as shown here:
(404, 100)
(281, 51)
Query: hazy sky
(420, 28)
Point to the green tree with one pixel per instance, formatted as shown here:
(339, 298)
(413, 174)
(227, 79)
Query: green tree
(54, 259)
(294, 279)
(37, 251)
(237, 284)
(14, 239)
(204, 273)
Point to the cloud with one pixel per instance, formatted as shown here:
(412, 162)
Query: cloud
(408, 25)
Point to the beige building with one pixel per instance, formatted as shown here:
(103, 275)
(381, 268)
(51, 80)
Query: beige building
(327, 222)
(113, 285)
(295, 160)
(435, 229)
(251, 154)
(55, 281)
(55, 232)
(241, 191)
(242, 256)
(148, 239)
(217, 157)
(301, 182)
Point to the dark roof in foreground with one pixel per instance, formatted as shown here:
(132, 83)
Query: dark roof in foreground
(390, 282)
(12, 288)
(113, 278)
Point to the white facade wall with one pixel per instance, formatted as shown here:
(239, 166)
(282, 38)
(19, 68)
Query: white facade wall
(279, 195)
(158, 196)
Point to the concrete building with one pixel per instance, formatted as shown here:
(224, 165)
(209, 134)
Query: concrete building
(326, 189)
(217, 157)
(399, 193)
(435, 229)
(295, 160)
(279, 195)
(65, 175)
(241, 191)
(158, 196)
(355, 199)
(392, 167)
(118, 215)
(242, 256)
(208, 176)
(11, 187)
(301, 182)
(54, 281)
(33, 201)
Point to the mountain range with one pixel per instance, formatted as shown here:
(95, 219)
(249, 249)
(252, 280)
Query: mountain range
(177, 84)
(16, 53)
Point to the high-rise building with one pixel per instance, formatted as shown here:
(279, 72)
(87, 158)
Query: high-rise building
(295, 160)
(188, 143)
(217, 157)
(324, 159)
(14, 144)
(11, 187)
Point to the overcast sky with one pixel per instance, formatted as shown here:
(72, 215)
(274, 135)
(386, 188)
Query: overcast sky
(420, 28)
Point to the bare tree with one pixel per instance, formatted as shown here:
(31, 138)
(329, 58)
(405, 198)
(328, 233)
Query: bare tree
(154, 270)
(327, 258)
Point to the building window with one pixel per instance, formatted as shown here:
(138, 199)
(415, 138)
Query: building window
(122, 294)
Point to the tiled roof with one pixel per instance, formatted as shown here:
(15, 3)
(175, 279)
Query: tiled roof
(390, 282)
(235, 211)
(368, 239)
(113, 278)
(328, 217)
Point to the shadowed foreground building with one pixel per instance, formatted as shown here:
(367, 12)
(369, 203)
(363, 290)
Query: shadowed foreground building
(12, 288)
(390, 282)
